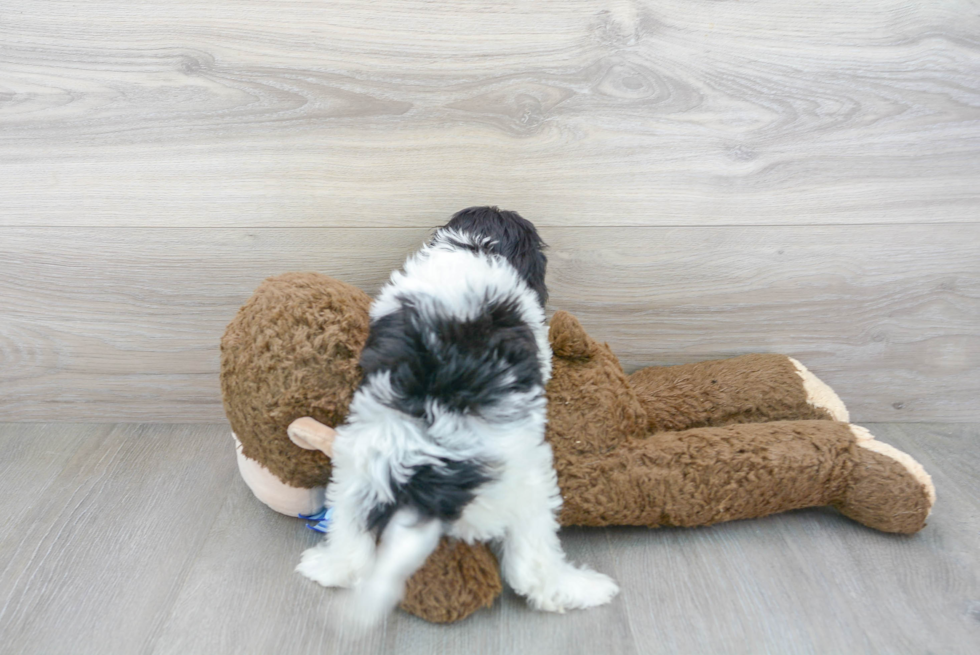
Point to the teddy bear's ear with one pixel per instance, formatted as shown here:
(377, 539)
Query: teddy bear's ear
(568, 338)
(309, 434)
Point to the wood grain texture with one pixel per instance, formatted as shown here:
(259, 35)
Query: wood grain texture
(186, 560)
(579, 112)
(716, 128)
(124, 324)
(106, 545)
(31, 459)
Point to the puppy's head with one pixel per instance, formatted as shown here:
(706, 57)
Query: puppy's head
(509, 235)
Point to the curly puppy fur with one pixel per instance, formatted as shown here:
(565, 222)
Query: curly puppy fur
(446, 433)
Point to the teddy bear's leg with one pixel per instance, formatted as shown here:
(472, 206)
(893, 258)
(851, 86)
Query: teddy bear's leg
(887, 490)
(747, 389)
(708, 475)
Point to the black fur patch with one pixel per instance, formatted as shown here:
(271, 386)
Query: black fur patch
(465, 366)
(514, 238)
(438, 492)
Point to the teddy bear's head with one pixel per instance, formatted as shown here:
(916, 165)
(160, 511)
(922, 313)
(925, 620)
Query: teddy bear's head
(292, 351)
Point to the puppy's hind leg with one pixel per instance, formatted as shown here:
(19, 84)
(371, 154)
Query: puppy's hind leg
(534, 566)
(534, 563)
(407, 541)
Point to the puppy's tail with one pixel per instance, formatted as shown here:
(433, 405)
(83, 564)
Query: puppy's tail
(407, 541)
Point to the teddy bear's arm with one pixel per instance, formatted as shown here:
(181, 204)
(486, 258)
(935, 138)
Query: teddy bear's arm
(747, 389)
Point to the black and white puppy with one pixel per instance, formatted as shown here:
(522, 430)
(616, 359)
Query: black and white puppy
(446, 432)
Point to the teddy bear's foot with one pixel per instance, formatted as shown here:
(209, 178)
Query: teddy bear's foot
(820, 395)
(888, 490)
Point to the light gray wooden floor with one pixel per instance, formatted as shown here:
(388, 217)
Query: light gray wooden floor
(142, 539)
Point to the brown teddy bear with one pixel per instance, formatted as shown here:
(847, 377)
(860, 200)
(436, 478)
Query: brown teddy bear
(666, 446)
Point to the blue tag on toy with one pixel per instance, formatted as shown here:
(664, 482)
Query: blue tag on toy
(314, 517)
(322, 518)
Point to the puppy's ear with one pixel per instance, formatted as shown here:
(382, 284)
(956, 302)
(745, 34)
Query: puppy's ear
(569, 339)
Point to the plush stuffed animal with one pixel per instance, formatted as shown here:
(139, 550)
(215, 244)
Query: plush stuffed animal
(666, 446)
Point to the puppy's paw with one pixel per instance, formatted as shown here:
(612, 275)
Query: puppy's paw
(366, 607)
(574, 589)
(321, 566)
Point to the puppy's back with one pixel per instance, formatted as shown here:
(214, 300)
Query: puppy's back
(459, 335)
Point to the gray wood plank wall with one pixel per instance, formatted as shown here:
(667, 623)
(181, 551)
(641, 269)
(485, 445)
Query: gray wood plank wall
(713, 178)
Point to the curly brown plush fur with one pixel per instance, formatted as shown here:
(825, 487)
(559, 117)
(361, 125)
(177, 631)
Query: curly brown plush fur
(614, 470)
(684, 445)
(724, 391)
(457, 580)
(292, 351)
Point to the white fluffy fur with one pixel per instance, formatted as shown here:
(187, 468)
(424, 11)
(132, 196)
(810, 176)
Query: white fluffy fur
(517, 509)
